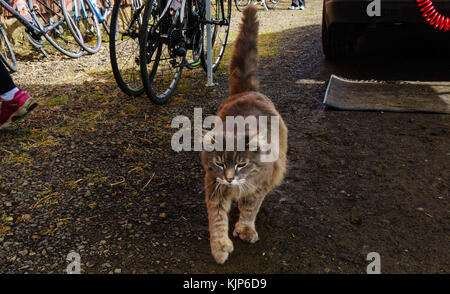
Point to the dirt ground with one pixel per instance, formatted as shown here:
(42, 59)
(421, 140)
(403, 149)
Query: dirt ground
(92, 171)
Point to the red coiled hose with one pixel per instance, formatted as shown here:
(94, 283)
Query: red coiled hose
(432, 16)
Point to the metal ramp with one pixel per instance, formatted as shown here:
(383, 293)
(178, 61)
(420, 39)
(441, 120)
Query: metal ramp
(396, 96)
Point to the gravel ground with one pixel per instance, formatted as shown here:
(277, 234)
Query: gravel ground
(92, 171)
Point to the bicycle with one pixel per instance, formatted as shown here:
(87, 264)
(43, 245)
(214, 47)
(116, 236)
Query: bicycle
(86, 15)
(47, 22)
(11, 64)
(267, 4)
(124, 45)
(169, 30)
(6, 53)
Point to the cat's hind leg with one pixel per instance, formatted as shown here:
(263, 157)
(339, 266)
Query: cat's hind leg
(245, 228)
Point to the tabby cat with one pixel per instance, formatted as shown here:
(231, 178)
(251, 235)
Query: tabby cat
(241, 175)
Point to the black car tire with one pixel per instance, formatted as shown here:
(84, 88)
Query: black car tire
(338, 40)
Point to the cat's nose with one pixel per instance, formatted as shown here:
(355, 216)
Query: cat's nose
(229, 180)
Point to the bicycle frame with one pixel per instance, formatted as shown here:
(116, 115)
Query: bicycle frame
(183, 4)
(169, 3)
(224, 21)
(138, 7)
(136, 4)
(83, 9)
(48, 8)
(31, 27)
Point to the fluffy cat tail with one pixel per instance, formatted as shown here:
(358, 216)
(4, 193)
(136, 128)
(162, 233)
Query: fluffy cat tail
(244, 61)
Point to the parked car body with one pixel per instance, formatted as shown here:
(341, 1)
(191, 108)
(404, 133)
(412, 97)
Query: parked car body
(344, 20)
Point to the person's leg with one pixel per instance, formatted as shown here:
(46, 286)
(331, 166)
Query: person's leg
(294, 5)
(15, 103)
(7, 84)
(302, 4)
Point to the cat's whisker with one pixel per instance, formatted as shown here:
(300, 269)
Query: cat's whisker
(244, 187)
(240, 187)
(205, 187)
(217, 187)
(247, 190)
(241, 184)
(250, 187)
(218, 192)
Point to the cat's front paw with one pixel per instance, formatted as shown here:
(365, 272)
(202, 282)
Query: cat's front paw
(221, 249)
(246, 233)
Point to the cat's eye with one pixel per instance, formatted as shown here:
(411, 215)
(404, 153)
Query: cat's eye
(241, 165)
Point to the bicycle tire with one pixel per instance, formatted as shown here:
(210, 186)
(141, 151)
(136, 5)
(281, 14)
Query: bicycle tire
(218, 43)
(36, 43)
(272, 4)
(5, 50)
(128, 78)
(153, 74)
(240, 5)
(193, 57)
(59, 33)
(106, 11)
(85, 29)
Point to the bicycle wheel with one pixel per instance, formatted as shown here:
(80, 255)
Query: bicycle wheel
(49, 17)
(106, 11)
(124, 45)
(194, 32)
(240, 4)
(221, 14)
(271, 4)
(161, 68)
(83, 24)
(6, 52)
(37, 43)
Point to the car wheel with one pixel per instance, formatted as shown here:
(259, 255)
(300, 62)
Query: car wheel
(338, 40)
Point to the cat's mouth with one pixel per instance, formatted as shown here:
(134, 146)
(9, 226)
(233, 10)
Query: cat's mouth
(233, 183)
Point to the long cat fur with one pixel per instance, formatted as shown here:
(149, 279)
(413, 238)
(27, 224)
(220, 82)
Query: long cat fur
(256, 178)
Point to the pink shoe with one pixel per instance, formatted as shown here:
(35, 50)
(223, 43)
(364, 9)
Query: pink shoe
(16, 109)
